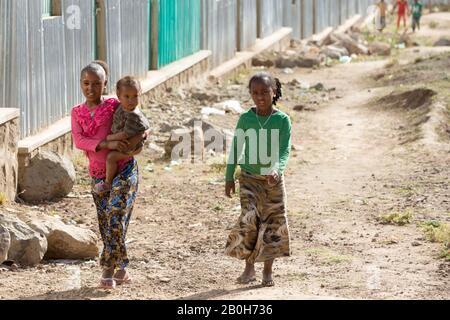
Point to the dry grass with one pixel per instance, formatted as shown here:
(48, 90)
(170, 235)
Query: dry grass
(438, 232)
(397, 218)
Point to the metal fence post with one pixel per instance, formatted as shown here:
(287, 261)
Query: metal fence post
(154, 35)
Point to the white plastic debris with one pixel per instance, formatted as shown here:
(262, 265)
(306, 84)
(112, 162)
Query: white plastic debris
(212, 111)
(305, 85)
(345, 59)
(232, 106)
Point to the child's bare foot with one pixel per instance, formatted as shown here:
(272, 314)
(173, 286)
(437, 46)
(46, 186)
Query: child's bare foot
(268, 280)
(249, 274)
(107, 281)
(122, 277)
(268, 274)
(102, 187)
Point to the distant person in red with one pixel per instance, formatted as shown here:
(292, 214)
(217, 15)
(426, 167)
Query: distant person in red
(402, 12)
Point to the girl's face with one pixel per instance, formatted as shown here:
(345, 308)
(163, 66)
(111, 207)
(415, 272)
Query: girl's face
(128, 97)
(92, 86)
(262, 94)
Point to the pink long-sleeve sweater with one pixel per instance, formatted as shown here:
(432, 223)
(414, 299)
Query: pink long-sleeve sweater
(89, 128)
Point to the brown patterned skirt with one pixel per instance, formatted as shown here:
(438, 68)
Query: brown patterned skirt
(262, 231)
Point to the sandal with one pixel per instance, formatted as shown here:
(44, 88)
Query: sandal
(107, 284)
(268, 283)
(124, 280)
(245, 281)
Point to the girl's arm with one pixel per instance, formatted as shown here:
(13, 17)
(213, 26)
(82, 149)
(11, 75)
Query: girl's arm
(117, 136)
(236, 150)
(134, 141)
(91, 144)
(285, 148)
(285, 145)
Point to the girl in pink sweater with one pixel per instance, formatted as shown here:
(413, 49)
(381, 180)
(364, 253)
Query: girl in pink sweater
(91, 124)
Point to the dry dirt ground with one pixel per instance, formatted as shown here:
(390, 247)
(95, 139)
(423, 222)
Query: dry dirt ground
(360, 157)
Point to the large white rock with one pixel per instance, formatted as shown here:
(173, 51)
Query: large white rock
(5, 243)
(27, 247)
(65, 241)
(48, 176)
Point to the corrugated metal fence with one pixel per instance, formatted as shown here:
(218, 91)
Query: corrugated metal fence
(292, 16)
(179, 29)
(247, 29)
(127, 48)
(308, 18)
(219, 20)
(270, 17)
(42, 55)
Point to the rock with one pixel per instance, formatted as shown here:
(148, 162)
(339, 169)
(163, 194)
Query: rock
(167, 127)
(186, 143)
(319, 87)
(334, 52)
(288, 71)
(232, 106)
(177, 136)
(216, 139)
(296, 147)
(5, 243)
(203, 95)
(155, 151)
(198, 144)
(442, 43)
(64, 241)
(380, 48)
(307, 61)
(406, 39)
(260, 61)
(299, 108)
(48, 176)
(351, 45)
(296, 43)
(285, 62)
(28, 247)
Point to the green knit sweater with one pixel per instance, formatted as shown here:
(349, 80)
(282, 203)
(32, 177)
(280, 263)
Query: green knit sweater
(257, 150)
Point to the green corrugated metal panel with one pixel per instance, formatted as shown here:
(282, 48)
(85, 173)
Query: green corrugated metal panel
(47, 8)
(179, 29)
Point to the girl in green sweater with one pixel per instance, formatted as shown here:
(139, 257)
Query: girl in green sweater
(261, 147)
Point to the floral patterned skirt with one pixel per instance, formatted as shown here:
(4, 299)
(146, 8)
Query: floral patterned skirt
(114, 210)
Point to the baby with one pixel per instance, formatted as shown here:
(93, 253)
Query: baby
(128, 122)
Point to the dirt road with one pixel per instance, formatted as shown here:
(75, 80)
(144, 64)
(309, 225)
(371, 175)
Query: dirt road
(359, 158)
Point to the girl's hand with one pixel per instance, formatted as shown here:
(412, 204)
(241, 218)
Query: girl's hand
(273, 178)
(230, 188)
(121, 146)
(135, 153)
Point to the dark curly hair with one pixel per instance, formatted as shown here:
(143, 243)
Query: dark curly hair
(271, 81)
(128, 81)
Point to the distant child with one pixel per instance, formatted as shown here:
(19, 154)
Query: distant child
(416, 14)
(402, 12)
(382, 8)
(261, 233)
(128, 122)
